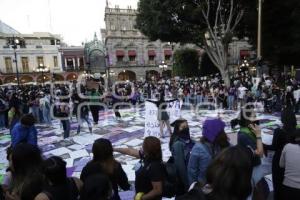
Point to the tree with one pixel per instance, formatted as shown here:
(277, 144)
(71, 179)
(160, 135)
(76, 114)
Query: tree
(280, 30)
(207, 23)
(186, 63)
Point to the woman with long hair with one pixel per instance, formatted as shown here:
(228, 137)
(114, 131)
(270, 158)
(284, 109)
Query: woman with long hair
(180, 146)
(26, 168)
(281, 137)
(229, 175)
(249, 136)
(150, 171)
(58, 186)
(103, 162)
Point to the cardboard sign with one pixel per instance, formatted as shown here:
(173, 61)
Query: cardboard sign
(151, 121)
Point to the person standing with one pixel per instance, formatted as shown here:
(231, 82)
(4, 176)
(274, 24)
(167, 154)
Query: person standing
(3, 109)
(290, 161)
(45, 106)
(95, 96)
(162, 114)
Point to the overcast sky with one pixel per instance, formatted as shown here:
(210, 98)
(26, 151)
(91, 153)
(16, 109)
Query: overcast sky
(75, 20)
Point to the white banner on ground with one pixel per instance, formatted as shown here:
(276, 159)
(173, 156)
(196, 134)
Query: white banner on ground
(151, 122)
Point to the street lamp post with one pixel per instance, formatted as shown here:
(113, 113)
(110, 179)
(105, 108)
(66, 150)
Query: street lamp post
(43, 69)
(14, 42)
(163, 66)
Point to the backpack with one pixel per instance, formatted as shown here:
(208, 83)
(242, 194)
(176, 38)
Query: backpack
(171, 181)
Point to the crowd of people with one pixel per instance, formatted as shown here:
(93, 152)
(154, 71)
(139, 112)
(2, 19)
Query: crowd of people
(211, 168)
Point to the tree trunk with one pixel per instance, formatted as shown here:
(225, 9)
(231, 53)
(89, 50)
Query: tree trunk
(226, 77)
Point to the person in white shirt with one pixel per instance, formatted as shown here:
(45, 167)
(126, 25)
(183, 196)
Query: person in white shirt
(290, 161)
(241, 95)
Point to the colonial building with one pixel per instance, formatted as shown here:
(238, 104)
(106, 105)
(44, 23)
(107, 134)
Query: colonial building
(34, 57)
(73, 61)
(95, 57)
(132, 56)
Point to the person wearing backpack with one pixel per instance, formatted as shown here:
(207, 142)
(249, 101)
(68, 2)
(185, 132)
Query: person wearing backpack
(180, 146)
(214, 139)
(150, 172)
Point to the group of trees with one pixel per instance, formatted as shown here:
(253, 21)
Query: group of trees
(211, 24)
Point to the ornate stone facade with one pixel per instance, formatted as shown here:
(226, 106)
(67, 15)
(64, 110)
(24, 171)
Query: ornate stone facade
(130, 54)
(34, 50)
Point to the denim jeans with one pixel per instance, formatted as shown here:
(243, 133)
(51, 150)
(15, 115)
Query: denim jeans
(46, 116)
(230, 100)
(2, 120)
(66, 127)
(35, 111)
(84, 118)
(199, 99)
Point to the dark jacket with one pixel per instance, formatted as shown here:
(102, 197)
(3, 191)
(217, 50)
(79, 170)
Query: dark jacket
(119, 177)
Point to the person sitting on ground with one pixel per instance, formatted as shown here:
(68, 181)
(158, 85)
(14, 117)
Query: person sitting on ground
(104, 163)
(150, 171)
(213, 141)
(59, 186)
(24, 131)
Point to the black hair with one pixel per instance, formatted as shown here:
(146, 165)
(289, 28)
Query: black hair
(55, 170)
(28, 120)
(25, 158)
(27, 178)
(229, 174)
(288, 119)
(244, 116)
(176, 124)
(295, 137)
(96, 187)
(102, 150)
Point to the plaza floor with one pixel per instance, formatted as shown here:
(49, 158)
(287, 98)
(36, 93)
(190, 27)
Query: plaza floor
(128, 132)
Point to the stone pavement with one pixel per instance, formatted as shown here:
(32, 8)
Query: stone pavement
(127, 132)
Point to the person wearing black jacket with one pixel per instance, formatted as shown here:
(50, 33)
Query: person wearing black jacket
(280, 139)
(104, 163)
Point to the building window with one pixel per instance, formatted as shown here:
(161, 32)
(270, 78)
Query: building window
(151, 58)
(40, 61)
(131, 58)
(167, 57)
(70, 64)
(8, 65)
(25, 64)
(120, 58)
(55, 61)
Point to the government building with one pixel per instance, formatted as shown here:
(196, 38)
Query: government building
(130, 55)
